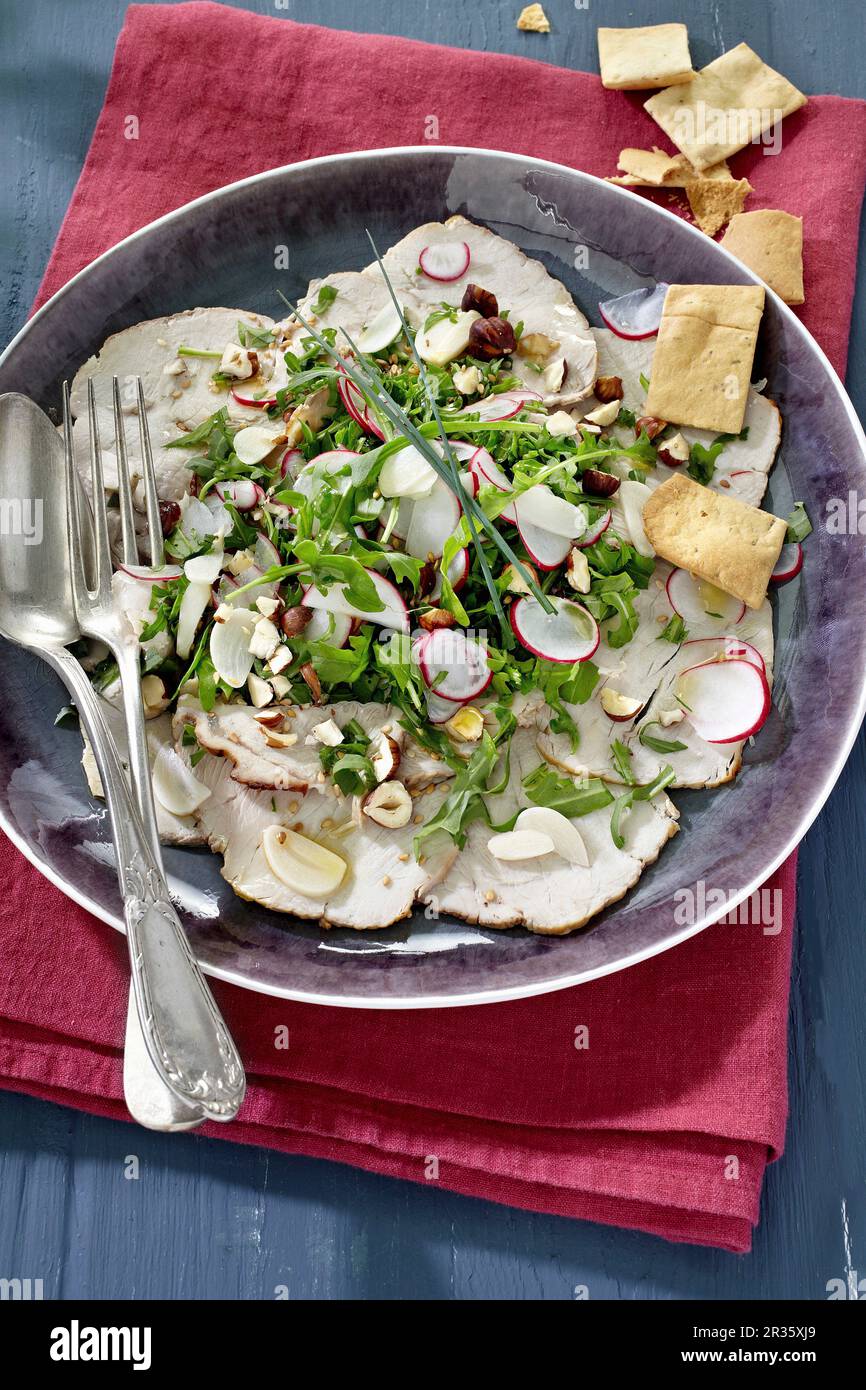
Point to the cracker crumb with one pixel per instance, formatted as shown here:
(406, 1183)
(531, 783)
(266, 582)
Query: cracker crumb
(534, 20)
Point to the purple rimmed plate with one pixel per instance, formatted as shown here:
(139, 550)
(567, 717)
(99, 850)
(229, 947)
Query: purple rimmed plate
(600, 240)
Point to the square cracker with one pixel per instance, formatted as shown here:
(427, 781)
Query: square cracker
(715, 201)
(770, 243)
(720, 539)
(730, 103)
(655, 56)
(702, 362)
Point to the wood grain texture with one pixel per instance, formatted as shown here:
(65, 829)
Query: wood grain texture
(212, 1219)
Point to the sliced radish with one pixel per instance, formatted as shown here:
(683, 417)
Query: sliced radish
(265, 553)
(356, 405)
(291, 463)
(453, 665)
(229, 646)
(196, 599)
(636, 314)
(489, 474)
(163, 575)
(445, 260)
(393, 614)
(547, 550)
(381, 330)
(263, 402)
(175, 785)
(789, 563)
(594, 531)
(701, 649)
(695, 600)
(406, 474)
(568, 634)
(433, 520)
(263, 589)
(503, 406)
(541, 507)
(725, 701)
(319, 628)
(458, 573)
(243, 494)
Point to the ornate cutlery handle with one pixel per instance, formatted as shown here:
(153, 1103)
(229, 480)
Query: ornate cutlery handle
(183, 1030)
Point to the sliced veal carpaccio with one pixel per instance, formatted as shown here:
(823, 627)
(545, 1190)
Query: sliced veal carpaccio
(521, 285)
(382, 878)
(177, 390)
(550, 895)
(359, 301)
(743, 465)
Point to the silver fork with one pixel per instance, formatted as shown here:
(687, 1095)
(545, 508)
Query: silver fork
(183, 1031)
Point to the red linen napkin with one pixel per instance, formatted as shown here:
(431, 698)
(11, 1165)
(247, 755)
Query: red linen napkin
(666, 1120)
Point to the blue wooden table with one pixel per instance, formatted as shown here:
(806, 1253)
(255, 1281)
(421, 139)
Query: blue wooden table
(212, 1219)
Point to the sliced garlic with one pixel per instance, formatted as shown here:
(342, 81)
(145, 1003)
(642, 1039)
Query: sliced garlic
(302, 864)
(175, 786)
(633, 497)
(567, 840)
(520, 844)
(254, 443)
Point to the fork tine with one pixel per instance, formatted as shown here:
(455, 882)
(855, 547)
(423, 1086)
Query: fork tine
(154, 523)
(127, 516)
(101, 544)
(73, 510)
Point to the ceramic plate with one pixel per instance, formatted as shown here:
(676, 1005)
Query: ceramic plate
(237, 247)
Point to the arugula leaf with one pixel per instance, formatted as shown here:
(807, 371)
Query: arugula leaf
(465, 802)
(660, 745)
(799, 525)
(628, 798)
(325, 298)
(644, 381)
(250, 337)
(544, 787)
(620, 756)
(674, 630)
(202, 433)
(702, 461)
(353, 773)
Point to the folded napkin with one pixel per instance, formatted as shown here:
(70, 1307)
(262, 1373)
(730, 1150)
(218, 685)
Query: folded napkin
(651, 1099)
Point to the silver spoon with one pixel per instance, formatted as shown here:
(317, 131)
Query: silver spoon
(37, 612)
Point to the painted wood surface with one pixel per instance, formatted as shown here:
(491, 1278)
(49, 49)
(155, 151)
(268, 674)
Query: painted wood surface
(212, 1219)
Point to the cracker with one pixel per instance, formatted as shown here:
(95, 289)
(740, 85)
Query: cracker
(703, 358)
(715, 201)
(654, 56)
(720, 539)
(770, 243)
(655, 169)
(730, 103)
(534, 20)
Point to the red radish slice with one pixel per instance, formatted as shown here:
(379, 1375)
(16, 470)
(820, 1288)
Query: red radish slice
(196, 599)
(569, 634)
(725, 701)
(253, 402)
(463, 449)
(243, 493)
(433, 520)
(789, 563)
(453, 665)
(700, 649)
(440, 711)
(502, 406)
(458, 573)
(291, 463)
(230, 646)
(636, 314)
(163, 575)
(595, 531)
(318, 628)
(407, 474)
(393, 615)
(547, 550)
(489, 474)
(696, 601)
(356, 406)
(381, 330)
(445, 260)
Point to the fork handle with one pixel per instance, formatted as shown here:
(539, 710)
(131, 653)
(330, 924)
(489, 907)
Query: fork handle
(184, 1032)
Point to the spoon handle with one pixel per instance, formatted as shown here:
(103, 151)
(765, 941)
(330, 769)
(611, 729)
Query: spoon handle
(183, 1030)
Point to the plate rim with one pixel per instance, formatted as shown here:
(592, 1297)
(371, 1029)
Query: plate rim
(502, 994)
